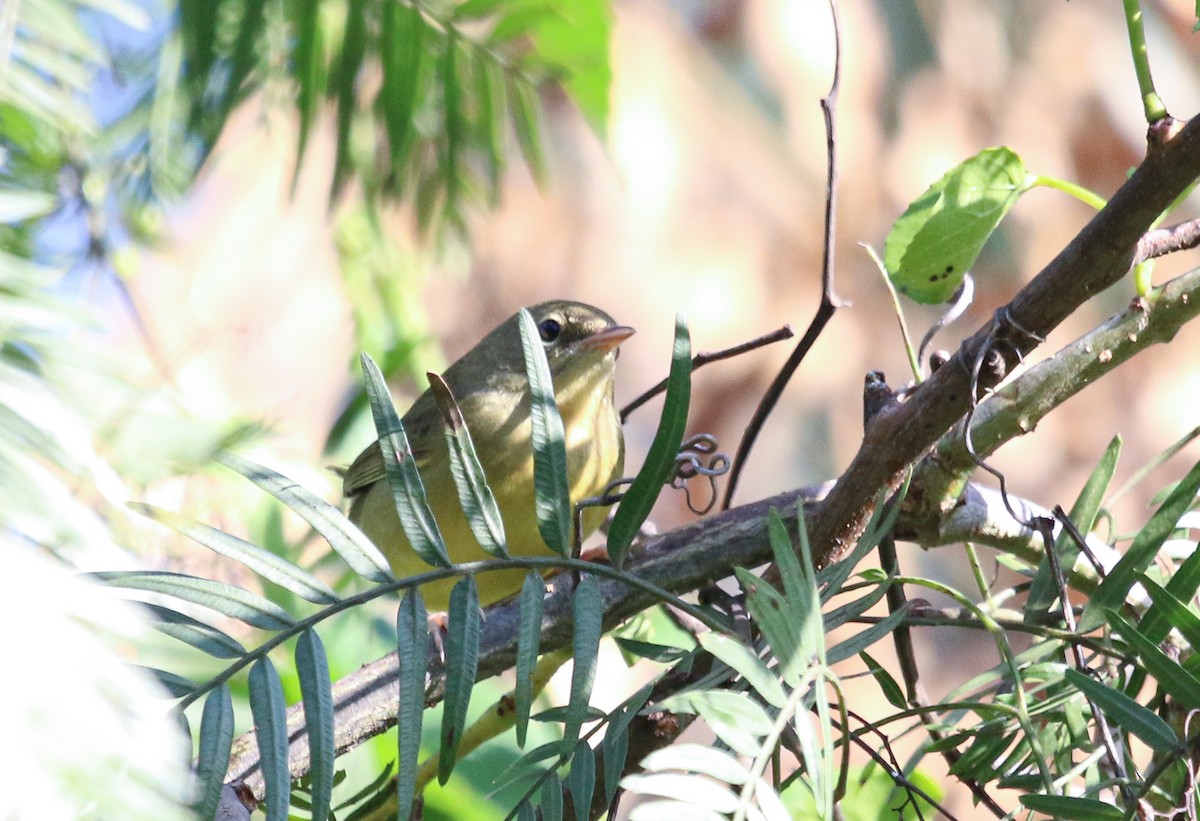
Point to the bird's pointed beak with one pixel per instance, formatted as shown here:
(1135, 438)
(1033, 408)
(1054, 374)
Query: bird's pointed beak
(608, 339)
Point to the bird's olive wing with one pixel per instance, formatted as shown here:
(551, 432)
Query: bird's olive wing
(368, 468)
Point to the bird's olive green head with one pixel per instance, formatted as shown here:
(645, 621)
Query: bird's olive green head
(576, 337)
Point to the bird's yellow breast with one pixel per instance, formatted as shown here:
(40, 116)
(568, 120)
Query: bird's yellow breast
(595, 457)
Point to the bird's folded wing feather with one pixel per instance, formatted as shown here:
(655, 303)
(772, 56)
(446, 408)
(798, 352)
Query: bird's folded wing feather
(368, 468)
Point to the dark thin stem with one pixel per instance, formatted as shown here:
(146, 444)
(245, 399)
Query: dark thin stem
(914, 692)
(702, 359)
(829, 299)
(1046, 528)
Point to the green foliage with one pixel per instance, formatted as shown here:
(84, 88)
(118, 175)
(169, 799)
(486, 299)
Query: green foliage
(660, 465)
(935, 242)
(422, 94)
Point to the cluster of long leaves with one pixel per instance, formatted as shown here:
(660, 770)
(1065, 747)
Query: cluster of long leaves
(1086, 724)
(423, 93)
(360, 556)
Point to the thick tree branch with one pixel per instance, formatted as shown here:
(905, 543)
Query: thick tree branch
(1019, 406)
(1098, 257)
(692, 556)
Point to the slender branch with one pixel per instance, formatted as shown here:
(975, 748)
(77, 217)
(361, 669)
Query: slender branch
(1016, 408)
(829, 299)
(702, 359)
(1163, 241)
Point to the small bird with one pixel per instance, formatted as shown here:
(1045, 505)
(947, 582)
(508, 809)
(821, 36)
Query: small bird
(491, 388)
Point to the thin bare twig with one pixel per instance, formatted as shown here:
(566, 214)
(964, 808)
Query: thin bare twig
(1163, 241)
(829, 300)
(702, 359)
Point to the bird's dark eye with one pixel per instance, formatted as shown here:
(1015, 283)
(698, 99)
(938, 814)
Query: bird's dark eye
(549, 329)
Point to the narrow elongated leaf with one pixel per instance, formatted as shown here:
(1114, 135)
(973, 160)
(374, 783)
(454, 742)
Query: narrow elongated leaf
(1182, 586)
(1176, 681)
(552, 497)
(615, 749)
(270, 729)
(1112, 591)
(1126, 713)
(803, 594)
(216, 741)
(551, 805)
(345, 539)
(489, 91)
(178, 686)
(204, 637)
(1177, 614)
(478, 503)
(935, 242)
(533, 594)
(734, 717)
(408, 490)
(524, 110)
(588, 609)
(852, 610)
(1072, 808)
(770, 612)
(312, 667)
(581, 780)
(864, 638)
(742, 660)
(660, 460)
(462, 660)
(344, 90)
(223, 598)
(309, 71)
(578, 42)
(263, 562)
(1044, 589)
(412, 652)
(662, 653)
(667, 810)
(698, 758)
(402, 45)
(891, 690)
(698, 792)
(452, 132)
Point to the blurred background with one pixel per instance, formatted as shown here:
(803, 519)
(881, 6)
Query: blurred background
(704, 195)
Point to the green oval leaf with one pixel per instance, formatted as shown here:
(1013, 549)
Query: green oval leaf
(933, 245)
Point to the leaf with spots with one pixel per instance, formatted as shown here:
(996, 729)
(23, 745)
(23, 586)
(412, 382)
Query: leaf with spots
(936, 241)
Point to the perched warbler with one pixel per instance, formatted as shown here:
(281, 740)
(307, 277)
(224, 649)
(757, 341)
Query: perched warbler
(491, 388)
